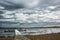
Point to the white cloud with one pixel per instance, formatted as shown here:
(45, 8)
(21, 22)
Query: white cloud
(1, 7)
(31, 16)
(39, 16)
(21, 17)
(52, 7)
(30, 3)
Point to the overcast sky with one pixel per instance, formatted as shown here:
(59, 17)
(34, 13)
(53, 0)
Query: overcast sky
(49, 4)
(30, 3)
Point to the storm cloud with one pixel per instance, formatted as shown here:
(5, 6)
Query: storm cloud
(29, 3)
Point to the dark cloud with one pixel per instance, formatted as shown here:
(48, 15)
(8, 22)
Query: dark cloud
(28, 3)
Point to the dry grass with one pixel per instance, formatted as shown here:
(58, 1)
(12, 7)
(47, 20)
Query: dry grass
(42, 37)
(55, 36)
(6, 38)
(45, 37)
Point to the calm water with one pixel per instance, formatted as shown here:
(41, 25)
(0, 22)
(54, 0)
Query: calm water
(18, 25)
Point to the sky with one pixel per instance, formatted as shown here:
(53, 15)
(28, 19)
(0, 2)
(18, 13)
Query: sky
(33, 13)
(39, 16)
(30, 3)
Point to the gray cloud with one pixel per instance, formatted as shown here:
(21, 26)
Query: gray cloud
(30, 3)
